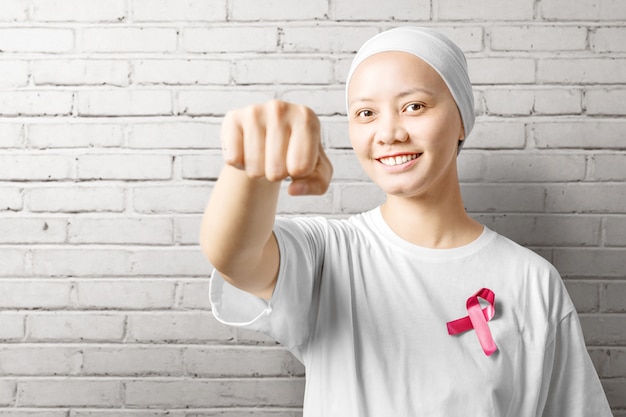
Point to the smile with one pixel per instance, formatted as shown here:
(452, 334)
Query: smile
(391, 161)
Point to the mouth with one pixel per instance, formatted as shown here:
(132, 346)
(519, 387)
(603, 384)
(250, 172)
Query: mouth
(392, 161)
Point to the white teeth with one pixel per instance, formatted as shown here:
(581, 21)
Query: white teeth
(398, 160)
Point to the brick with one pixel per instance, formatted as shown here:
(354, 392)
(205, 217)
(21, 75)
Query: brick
(586, 198)
(11, 135)
(168, 199)
(550, 230)
(609, 362)
(75, 326)
(325, 38)
(125, 167)
(484, 10)
(31, 39)
(585, 295)
(23, 167)
(78, 10)
(175, 262)
(133, 413)
(179, 327)
(11, 329)
(25, 412)
(140, 231)
(284, 71)
(230, 39)
(614, 389)
(80, 72)
(21, 360)
(187, 230)
(582, 10)
(590, 262)
(558, 101)
(7, 392)
(581, 70)
(286, 392)
(387, 11)
(606, 102)
(181, 72)
(125, 294)
(509, 102)
(37, 294)
(240, 361)
(603, 329)
(324, 101)
(32, 230)
(346, 166)
(335, 132)
(77, 262)
(267, 10)
(217, 102)
(615, 231)
(124, 103)
(14, 10)
(36, 103)
(75, 199)
(175, 135)
(195, 295)
(359, 197)
(175, 10)
(132, 360)
(468, 38)
(608, 39)
(129, 39)
(74, 135)
(471, 168)
(580, 134)
(14, 74)
(10, 199)
(538, 38)
(609, 167)
(63, 392)
(206, 166)
(13, 262)
(510, 198)
(501, 70)
(614, 297)
(496, 134)
(288, 204)
(534, 167)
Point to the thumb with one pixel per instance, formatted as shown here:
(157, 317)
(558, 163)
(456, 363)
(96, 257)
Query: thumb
(315, 183)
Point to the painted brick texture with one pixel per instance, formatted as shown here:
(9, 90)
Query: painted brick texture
(109, 145)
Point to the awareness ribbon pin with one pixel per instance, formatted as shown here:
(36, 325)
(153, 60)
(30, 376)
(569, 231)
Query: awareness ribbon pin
(477, 319)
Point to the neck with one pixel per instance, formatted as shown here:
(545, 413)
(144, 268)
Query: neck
(435, 221)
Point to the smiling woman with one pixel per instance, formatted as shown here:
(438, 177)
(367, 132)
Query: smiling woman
(370, 304)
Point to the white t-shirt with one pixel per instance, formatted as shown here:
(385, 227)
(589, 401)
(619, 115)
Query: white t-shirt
(366, 312)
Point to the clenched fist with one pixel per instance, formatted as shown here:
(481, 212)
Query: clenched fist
(278, 140)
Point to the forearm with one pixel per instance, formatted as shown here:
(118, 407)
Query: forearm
(236, 233)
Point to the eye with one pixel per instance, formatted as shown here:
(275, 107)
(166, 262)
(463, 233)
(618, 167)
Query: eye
(363, 114)
(413, 107)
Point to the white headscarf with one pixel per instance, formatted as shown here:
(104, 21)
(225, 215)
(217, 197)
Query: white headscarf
(437, 51)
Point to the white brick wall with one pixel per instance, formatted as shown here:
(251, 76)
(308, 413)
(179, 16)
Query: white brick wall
(109, 143)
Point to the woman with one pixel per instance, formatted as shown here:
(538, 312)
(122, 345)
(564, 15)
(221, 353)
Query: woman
(384, 308)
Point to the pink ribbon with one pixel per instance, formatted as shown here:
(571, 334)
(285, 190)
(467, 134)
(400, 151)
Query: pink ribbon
(477, 319)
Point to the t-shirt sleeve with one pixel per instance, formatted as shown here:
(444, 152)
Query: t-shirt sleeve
(573, 386)
(289, 315)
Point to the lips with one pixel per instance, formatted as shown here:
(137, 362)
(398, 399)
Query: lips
(391, 161)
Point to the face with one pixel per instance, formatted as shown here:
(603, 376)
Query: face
(404, 125)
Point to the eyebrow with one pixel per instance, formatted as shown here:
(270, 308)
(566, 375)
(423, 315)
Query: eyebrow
(402, 94)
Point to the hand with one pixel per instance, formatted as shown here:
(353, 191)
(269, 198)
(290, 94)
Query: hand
(277, 140)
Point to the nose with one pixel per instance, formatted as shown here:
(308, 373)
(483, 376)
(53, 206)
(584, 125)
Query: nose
(389, 129)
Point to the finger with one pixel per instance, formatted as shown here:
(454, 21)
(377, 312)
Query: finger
(277, 135)
(254, 141)
(231, 137)
(318, 181)
(304, 143)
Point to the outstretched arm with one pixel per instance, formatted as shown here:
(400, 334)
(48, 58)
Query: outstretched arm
(262, 144)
